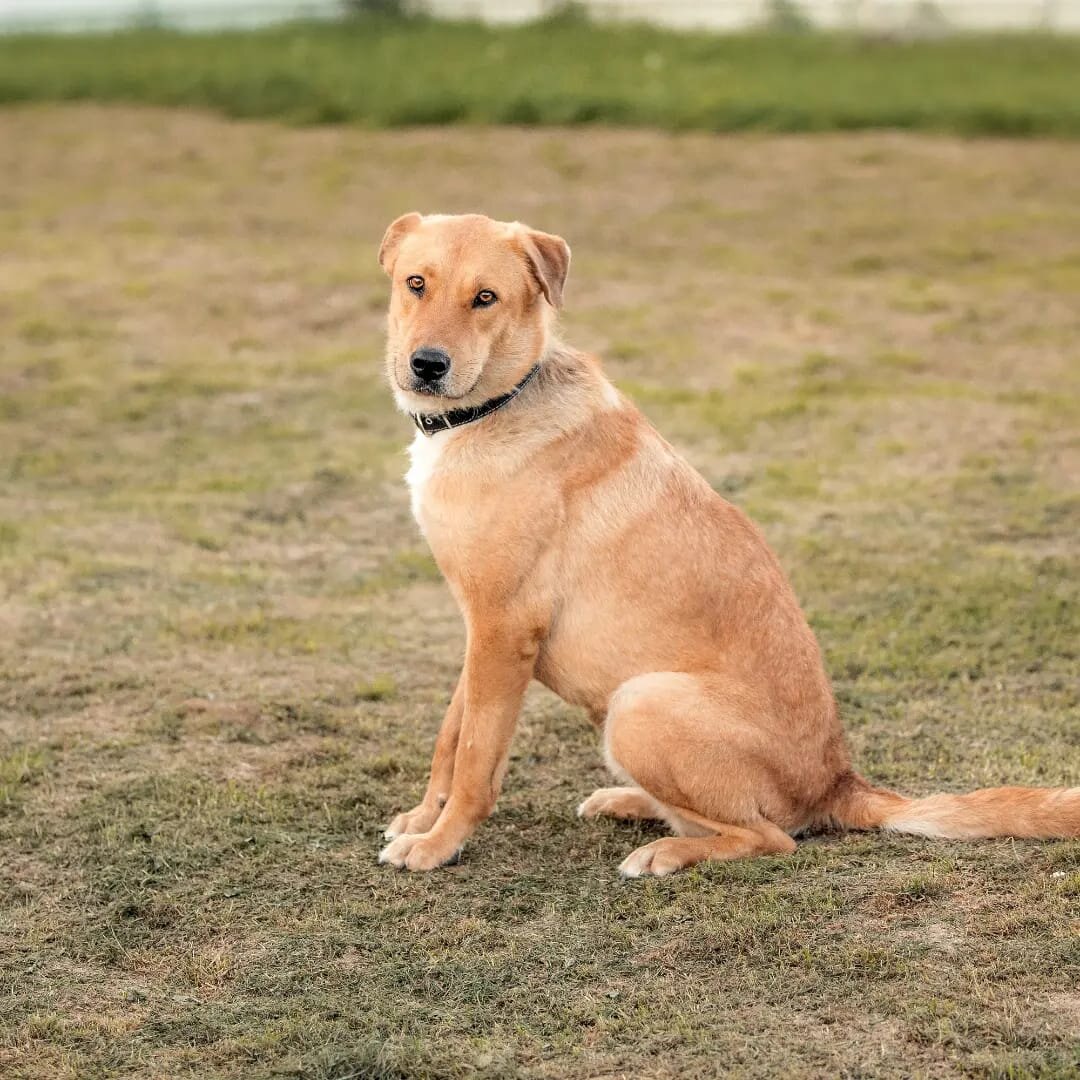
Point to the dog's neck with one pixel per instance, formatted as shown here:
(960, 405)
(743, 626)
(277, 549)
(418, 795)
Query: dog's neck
(568, 393)
(429, 423)
(558, 393)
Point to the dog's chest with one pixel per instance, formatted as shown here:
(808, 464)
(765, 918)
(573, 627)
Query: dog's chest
(424, 454)
(461, 502)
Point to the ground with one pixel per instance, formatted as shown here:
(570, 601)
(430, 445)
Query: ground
(224, 650)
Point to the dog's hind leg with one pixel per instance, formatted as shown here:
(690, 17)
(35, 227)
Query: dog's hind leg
(732, 842)
(685, 742)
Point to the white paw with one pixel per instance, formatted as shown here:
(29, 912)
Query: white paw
(398, 849)
(651, 860)
(597, 804)
(416, 851)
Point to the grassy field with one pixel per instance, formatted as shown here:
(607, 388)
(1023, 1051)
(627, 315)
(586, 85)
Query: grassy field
(394, 73)
(224, 651)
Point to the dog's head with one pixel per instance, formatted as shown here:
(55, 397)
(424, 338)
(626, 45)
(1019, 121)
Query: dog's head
(471, 306)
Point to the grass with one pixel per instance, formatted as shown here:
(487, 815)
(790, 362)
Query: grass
(224, 651)
(406, 72)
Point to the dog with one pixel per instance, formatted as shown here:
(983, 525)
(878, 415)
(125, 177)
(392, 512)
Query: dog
(584, 552)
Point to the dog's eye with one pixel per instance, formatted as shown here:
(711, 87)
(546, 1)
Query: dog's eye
(416, 284)
(484, 298)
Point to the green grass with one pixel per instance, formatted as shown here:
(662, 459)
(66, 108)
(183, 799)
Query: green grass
(395, 73)
(224, 650)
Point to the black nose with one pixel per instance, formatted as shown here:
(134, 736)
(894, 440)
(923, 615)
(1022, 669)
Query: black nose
(429, 365)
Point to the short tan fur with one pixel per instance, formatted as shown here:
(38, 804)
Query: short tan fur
(584, 552)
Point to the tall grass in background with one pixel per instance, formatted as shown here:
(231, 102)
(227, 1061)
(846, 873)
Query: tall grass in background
(390, 72)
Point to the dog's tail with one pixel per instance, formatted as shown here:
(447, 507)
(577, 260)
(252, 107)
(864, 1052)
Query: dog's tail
(1039, 813)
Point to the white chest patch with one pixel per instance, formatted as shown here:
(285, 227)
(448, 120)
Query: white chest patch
(424, 454)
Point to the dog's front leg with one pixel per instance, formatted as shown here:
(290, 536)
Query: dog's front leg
(426, 813)
(498, 665)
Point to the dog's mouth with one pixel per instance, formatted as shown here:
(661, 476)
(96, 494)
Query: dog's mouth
(426, 388)
(437, 390)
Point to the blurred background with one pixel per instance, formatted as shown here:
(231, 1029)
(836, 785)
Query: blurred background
(904, 16)
(832, 250)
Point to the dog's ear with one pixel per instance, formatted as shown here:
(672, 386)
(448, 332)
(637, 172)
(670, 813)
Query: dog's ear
(391, 241)
(549, 259)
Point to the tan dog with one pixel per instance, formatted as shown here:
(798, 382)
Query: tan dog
(584, 552)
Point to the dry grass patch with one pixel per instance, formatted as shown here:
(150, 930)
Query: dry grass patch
(224, 650)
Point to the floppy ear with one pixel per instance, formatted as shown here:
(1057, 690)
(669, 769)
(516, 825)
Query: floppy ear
(391, 241)
(549, 260)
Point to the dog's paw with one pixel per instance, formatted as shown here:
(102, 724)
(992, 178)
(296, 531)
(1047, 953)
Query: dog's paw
(418, 820)
(416, 852)
(626, 803)
(604, 802)
(658, 859)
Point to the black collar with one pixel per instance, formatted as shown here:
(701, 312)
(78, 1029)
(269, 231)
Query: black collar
(429, 423)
